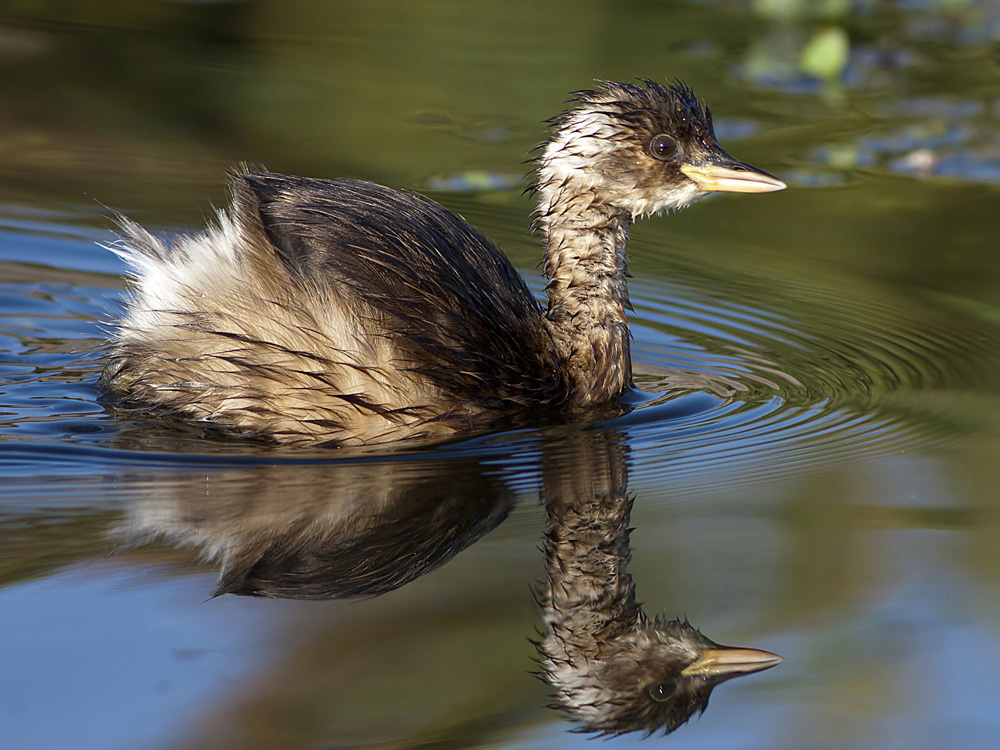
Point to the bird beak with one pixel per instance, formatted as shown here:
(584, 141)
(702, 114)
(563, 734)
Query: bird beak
(731, 176)
(721, 663)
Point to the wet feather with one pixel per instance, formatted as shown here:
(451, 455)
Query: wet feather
(346, 312)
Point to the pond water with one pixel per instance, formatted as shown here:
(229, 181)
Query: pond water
(812, 469)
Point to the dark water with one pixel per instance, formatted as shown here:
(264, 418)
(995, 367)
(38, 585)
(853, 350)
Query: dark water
(814, 467)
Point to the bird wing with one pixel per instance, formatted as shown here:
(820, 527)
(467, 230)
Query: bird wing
(413, 271)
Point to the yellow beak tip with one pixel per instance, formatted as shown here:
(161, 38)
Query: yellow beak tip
(717, 178)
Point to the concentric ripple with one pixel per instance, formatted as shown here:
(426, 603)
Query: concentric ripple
(736, 382)
(844, 375)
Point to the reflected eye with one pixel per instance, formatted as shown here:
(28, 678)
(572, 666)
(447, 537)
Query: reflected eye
(662, 691)
(663, 147)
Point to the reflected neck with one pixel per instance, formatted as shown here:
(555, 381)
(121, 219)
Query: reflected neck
(590, 596)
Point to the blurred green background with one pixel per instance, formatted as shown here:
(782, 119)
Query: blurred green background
(858, 535)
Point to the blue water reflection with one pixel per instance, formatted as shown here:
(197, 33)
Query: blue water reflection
(812, 456)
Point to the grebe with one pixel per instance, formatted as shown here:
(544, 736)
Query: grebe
(614, 668)
(346, 312)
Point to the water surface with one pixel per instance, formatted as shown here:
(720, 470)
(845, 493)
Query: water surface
(812, 464)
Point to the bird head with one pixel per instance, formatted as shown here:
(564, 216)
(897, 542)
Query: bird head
(652, 677)
(642, 147)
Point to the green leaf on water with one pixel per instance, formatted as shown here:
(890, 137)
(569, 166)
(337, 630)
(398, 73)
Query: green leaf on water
(826, 54)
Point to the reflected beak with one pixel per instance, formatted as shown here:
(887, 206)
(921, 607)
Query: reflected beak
(719, 664)
(732, 177)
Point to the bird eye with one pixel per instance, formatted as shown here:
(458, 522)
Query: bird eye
(662, 691)
(663, 147)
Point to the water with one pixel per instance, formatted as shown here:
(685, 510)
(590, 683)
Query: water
(812, 466)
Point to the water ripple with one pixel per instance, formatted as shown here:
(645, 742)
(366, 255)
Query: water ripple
(781, 390)
(737, 383)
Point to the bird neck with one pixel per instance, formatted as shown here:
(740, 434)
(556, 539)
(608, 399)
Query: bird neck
(586, 265)
(590, 597)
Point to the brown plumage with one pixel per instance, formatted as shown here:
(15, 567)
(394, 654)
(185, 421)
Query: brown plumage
(322, 530)
(614, 668)
(346, 312)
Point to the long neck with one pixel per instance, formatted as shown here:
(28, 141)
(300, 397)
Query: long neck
(587, 265)
(590, 596)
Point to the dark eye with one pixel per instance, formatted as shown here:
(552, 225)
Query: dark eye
(663, 146)
(662, 691)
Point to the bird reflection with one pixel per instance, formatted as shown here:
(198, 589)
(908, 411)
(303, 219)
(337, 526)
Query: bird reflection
(614, 668)
(363, 529)
(327, 531)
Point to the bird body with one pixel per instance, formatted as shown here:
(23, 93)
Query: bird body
(299, 317)
(345, 312)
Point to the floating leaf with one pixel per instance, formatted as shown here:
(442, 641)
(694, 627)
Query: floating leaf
(825, 55)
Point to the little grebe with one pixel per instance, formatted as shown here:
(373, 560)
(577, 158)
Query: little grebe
(346, 312)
